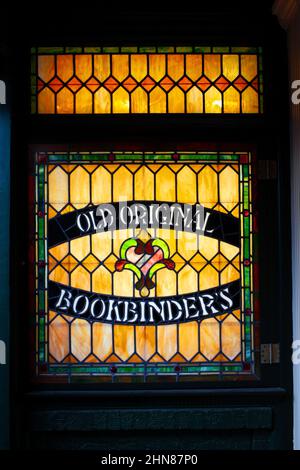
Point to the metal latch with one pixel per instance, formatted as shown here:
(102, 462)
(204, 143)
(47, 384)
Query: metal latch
(270, 353)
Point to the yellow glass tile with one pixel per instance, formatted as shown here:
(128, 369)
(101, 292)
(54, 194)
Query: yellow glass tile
(46, 67)
(230, 66)
(101, 66)
(79, 187)
(157, 100)
(175, 63)
(46, 102)
(208, 247)
(122, 185)
(165, 283)
(231, 99)
(124, 341)
(101, 186)
(249, 66)
(209, 338)
(58, 181)
(250, 101)
(59, 338)
(229, 274)
(124, 283)
(187, 244)
(51, 212)
(81, 278)
(102, 281)
(208, 187)
(90, 263)
(188, 339)
(169, 236)
(229, 251)
(187, 280)
(120, 102)
(193, 66)
(84, 101)
(59, 251)
(138, 66)
(229, 188)
(139, 101)
(213, 100)
(65, 66)
(102, 101)
(179, 262)
(208, 278)
(59, 274)
(102, 340)
(144, 184)
(102, 244)
(231, 337)
(83, 66)
(165, 185)
(65, 101)
(80, 339)
(186, 186)
(176, 101)
(145, 341)
(51, 262)
(157, 66)
(167, 341)
(212, 66)
(120, 66)
(110, 263)
(119, 237)
(69, 263)
(194, 100)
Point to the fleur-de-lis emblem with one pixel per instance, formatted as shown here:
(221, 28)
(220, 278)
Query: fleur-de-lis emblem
(144, 259)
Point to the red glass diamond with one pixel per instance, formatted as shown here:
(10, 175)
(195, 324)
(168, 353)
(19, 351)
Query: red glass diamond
(130, 84)
(74, 84)
(166, 83)
(254, 83)
(92, 84)
(185, 83)
(240, 83)
(222, 83)
(56, 84)
(148, 83)
(203, 83)
(111, 84)
(40, 85)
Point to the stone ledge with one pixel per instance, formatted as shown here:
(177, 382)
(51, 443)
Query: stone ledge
(152, 419)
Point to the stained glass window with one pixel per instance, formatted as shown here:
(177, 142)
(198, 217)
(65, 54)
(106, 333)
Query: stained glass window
(144, 266)
(113, 80)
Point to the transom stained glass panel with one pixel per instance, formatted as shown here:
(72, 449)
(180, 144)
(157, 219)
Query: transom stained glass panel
(144, 266)
(112, 80)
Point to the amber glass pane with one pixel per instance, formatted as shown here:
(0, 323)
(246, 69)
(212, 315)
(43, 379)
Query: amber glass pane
(194, 80)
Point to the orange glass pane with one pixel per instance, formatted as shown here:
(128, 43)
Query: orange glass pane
(149, 82)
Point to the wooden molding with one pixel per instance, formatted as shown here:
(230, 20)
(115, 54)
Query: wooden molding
(285, 10)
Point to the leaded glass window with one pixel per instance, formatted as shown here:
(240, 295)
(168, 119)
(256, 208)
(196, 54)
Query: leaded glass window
(145, 265)
(134, 80)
